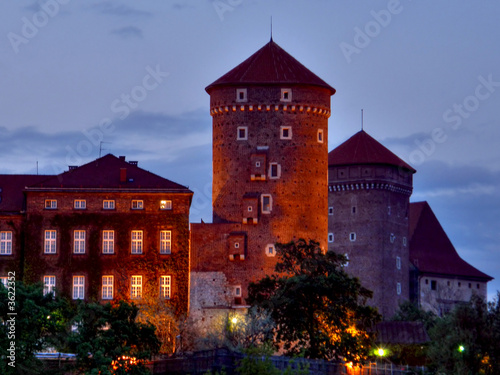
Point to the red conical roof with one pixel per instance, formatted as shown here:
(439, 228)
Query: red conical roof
(270, 65)
(361, 148)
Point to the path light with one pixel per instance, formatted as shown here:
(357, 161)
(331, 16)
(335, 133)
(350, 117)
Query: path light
(381, 352)
(234, 320)
(461, 348)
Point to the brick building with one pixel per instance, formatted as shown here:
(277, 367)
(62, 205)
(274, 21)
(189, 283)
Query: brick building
(106, 230)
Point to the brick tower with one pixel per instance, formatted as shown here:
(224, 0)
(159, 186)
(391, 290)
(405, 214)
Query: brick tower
(369, 192)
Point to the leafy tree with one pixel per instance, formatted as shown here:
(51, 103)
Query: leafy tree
(108, 340)
(319, 310)
(409, 312)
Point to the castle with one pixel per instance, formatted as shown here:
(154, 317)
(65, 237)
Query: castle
(109, 229)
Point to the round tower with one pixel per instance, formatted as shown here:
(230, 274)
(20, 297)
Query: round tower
(369, 192)
(270, 150)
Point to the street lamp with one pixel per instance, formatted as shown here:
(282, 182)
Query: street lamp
(461, 348)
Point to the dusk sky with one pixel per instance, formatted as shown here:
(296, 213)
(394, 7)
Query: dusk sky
(133, 74)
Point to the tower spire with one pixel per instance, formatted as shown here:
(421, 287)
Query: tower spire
(271, 28)
(361, 119)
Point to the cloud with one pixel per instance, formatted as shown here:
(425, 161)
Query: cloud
(128, 32)
(119, 10)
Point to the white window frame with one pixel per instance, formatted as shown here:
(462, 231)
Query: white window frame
(6, 243)
(79, 241)
(267, 210)
(50, 241)
(331, 238)
(398, 288)
(165, 204)
(108, 204)
(108, 241)
(80, 204)
(398, 263)
(270, 250)
(136, 287)
(238, 96)
(107, 290)
(136, 242)
(50, 204)
(330, 211)
(352, 236)
(78, 287)
(165, 287)
(278, 170)
(282, 131)
(165, 242)
(250, 208)
(238, 292)
(245, 137)
(49, 284)
(236, 245)
(137, 204)
(320, 136)
(286, 95)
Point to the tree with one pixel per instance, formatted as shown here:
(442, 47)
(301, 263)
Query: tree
(319, 310)
(409, 312)
(108, 340)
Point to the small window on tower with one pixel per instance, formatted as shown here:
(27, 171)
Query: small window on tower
(320, 136)
(266, 203)
(330, 237)
(274, 170)
(352, 236)
(286, 132)
(330, 211)
(270, 250)
(257, 164)
(241, 95)
(286, 95)
(398, 263)
(433, 285)
(392, 237)
(249, 208)
(398, 288)
(236, 245)
(242, 133)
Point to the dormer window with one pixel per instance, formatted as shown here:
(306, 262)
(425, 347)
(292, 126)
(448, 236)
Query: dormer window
(242, 133)
(286, 95)
(241, 95)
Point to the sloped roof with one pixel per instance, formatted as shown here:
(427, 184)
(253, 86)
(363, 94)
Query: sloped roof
(11, 190)
(431, 251)
(361, 148)
(270, 65)
(104, 173)
(401, 333)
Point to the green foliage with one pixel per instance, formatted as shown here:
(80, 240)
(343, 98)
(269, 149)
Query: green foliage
(476, 328)
(320, 310)
(409, 312)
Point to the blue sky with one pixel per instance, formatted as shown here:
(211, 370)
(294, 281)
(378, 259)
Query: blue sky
(427, 74)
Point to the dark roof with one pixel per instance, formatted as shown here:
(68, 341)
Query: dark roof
(431, 251)
(11, 190)
(361, 148)
(105, 173)
(401, 333)
(270, 65)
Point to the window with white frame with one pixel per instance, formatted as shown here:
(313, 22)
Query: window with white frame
(330, 211)
(266, 203)
(108, 241)
(236, 245)
(79, 242)
(49, 284)
(237, 291)
(136, 287)
(78, 287)
(108, 204)
(286, 95)
(6, 243)
(398, 263)
(320, 135)
(274, 170)
(270, 250)
(50, 204)
(352, 236)
(80, 204)
(241, 95)
(398, 288)
(50, 242)
(165, 242)
(165, 205)
(241, 133)
(165, 287)
(249, 208)
(330, 237)
(136, 245)
(137, 204)
(107, 287)
(285, 132)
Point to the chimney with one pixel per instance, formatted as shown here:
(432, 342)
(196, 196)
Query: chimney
(121, 158)
(123, 174)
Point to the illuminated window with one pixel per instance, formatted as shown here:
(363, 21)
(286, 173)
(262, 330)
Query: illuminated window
(165, 205)
(274, 170)
(49, 284)
(136, 287)
(79, 242)
(398, 263)
(108, 204)
(165, 242)
(320, 135)
(6, 243)
(80, 204)
(136, 242)
(266, 203)
(270, 250)
(137, 204)
(242, 133)
(78, 287)
(241, 95)
(286, 95)
(107, 287)
(50, 204)
(398, 288)
(50, 242)
(285, 132)
(108, 241)
(165, 287)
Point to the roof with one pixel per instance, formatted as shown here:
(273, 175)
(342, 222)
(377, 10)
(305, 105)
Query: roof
(431, 251)
(270, 65)
(108, 172)
(11, 190)
(361, 148)
(401, 333)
